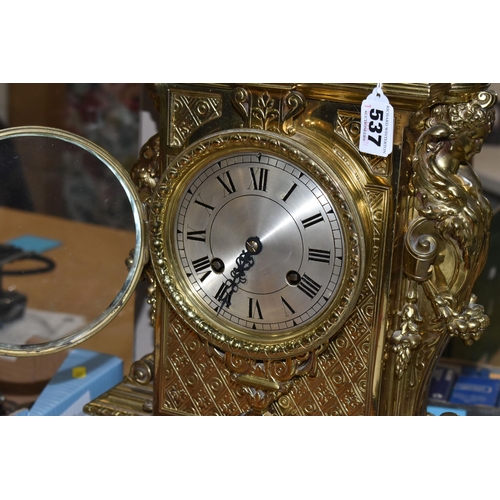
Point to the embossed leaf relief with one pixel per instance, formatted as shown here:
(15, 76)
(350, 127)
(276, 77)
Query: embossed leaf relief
(264, 112)
(408, 338)
(295, 103)
(146, 171)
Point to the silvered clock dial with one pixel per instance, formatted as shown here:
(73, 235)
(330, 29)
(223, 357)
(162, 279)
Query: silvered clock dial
(260, 242)
(258, 245)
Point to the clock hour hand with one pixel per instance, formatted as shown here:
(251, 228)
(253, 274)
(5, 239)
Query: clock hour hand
(244, 262)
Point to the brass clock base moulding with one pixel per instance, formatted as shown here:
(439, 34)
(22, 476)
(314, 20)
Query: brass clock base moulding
(132, 397)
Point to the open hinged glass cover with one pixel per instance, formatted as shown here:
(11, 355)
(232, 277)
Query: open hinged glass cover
(70, 217)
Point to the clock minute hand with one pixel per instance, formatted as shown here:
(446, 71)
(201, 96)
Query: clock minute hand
(243, 263)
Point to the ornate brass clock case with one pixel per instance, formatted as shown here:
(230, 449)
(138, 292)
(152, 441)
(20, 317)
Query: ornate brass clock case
(345, 313)
(415, 234)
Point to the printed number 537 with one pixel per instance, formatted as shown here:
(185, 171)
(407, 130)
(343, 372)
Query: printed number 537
(377, 115)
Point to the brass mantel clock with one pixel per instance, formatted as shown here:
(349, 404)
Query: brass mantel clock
(289, 273)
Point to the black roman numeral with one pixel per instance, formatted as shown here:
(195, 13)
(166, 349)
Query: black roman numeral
(287, 307)
(227, 182)
(319, 255)
(200, 202)
(221, 291)
(254, 309)
(259, 178)
(310, 221)
(308, 286)
(221, 295)
(290, 191)
(196, 235)
(201, 265)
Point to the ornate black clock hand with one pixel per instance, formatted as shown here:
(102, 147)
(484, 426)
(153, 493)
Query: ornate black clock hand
(243, 263)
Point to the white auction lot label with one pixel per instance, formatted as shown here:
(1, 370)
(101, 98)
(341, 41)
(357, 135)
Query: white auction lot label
(377, 124)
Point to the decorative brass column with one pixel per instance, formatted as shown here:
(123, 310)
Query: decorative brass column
(444, 242)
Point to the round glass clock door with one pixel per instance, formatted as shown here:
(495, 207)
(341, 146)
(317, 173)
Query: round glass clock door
(68, 203)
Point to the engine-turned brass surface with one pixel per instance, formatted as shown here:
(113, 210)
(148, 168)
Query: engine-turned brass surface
(426, 224)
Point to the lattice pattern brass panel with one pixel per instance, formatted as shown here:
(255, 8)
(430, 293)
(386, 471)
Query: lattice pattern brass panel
(196, 382)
